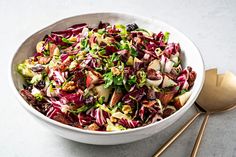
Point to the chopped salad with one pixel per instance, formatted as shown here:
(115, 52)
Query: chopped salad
(106, 78)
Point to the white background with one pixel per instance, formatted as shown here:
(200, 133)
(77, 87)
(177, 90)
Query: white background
(210, 24)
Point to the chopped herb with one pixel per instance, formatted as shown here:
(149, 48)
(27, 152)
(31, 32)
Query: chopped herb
(84, 108)
(183, 91)
(101, 99)
(124, 45)
(101, 52)
(84, 43)
(119, 105)
(99, 68)
(177, 88)
(66, 41)
(101, 31)
(118, 80)
(134, 53)
(166, 37)
(132, 80)
(46, 52)
(108, 78)
(38, 96)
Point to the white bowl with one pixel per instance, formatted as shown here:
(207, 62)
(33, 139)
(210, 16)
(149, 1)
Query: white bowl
(192, 58)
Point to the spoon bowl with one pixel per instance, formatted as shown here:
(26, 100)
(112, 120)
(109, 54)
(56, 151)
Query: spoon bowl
(217, 95)
(218, 92)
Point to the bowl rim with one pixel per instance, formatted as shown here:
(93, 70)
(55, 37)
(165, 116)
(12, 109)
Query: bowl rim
(64, 126)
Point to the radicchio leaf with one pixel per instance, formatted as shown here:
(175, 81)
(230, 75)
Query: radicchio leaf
(100, 116)
(135, 95)
(129, 123)
(85, 119)
(75, 98)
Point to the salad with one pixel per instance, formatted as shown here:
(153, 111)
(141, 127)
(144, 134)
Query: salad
(106, 78)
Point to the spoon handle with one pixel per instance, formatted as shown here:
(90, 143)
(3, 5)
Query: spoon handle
(199, 136)
(173, 138)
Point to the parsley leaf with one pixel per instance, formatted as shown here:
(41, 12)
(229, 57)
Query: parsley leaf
(108, 78)
(132, 80)
(134, 53)
(124, 45)
(66, 41)
(84, 43)
(118, 80)
(119, 105)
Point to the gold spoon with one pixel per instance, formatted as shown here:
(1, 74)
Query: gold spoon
(217, 95)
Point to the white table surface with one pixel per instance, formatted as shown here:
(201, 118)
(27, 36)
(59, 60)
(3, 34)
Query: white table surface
(210, 24)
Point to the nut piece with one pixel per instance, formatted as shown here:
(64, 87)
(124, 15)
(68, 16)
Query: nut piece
(113, 119)
(93, 127)
(126, 109)
(69, 86)
(115, 71)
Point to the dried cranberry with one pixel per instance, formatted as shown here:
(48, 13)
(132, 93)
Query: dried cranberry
(40, 84)
(110, 50)
(131, 27)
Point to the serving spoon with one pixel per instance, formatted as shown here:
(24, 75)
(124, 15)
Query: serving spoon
(218, 94)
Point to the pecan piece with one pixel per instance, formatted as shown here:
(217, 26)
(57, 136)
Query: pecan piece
(93, 127)
(69, 86)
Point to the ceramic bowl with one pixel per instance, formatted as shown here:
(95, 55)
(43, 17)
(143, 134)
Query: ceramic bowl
(192, 57)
